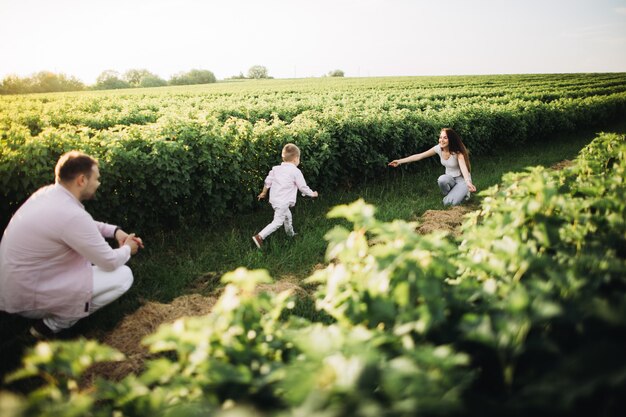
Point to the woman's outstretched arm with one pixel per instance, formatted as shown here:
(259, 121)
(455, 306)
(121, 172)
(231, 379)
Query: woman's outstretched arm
(413, 158)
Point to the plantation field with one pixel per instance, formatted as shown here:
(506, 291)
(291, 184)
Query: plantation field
(522, 314)
(178, 150)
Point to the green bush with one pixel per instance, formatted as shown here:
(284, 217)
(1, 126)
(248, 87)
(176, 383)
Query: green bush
(178, 154)
(41, 82)
(524, 314)
(194, 76)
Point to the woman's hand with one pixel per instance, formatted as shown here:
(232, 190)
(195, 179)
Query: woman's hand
(470, 186)
(395, 163)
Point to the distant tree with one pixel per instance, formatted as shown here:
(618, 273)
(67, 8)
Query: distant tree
(194, 76)
(238, 77)
(257, 72)
(45, 81)
(12, 84)
(143, 78)
(110, 80)
(134, 76)
(41, 82)
(152, 81)
(336, 73)
(71, 83)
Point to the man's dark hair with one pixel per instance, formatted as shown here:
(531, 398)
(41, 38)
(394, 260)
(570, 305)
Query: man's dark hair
(72, 164)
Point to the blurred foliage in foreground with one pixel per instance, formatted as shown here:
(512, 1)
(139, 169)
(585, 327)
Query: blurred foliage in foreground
(525, 314)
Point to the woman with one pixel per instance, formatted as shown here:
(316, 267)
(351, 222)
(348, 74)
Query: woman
(456, 183)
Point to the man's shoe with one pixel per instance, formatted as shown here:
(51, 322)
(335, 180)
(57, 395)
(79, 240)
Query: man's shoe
(40, 331)
(258, 241)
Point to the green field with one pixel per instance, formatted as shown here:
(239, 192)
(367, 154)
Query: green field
(178, 150)
(507, 319)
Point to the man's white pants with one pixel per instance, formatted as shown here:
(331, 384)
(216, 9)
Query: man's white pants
(282, 217)
(108, 286)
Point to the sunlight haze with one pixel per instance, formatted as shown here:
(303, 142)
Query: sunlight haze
(295, 39)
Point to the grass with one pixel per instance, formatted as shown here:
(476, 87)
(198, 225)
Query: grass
(192, 258)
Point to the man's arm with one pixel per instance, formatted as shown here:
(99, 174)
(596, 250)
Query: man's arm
(84, 235)
(118, 234)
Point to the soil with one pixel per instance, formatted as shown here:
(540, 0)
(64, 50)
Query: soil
(562, 165)
(448, 220)
(128, 334)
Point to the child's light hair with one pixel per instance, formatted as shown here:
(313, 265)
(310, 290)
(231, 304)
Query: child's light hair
(290, 152)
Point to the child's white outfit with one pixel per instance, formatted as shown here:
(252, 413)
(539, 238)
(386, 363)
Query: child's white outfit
(284, 181)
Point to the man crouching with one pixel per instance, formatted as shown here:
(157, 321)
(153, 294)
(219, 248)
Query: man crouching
(55, 264)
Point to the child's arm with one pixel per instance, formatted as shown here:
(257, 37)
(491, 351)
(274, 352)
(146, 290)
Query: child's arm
(301, 184)
(266, 184)
(263, 193)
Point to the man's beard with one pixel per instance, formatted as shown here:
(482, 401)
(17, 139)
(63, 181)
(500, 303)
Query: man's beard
(88, 196)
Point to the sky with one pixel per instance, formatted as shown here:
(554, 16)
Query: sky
(309, 38)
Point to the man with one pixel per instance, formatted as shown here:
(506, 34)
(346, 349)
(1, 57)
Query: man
(49, 246)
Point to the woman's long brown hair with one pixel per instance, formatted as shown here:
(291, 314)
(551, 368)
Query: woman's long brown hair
(455, 145)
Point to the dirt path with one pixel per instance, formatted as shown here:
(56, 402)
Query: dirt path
(561, 165)
(448, 220)
(127, 335)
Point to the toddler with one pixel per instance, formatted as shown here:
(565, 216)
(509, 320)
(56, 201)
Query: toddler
(283, 183)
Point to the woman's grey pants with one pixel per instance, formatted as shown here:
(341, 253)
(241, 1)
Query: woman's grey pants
(454, 188)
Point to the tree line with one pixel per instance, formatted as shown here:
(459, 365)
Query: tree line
(47, 82)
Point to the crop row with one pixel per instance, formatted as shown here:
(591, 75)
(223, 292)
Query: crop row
(287, 100)
(184, 152)
(522, 315)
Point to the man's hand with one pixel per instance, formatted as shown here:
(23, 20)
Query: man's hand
(315, 194)
(261, 196)
(122, 237)
(133, 242)
(138, 240)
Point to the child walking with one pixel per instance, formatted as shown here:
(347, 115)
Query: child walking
(283, 182)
